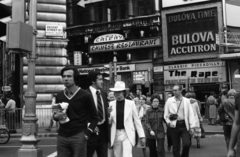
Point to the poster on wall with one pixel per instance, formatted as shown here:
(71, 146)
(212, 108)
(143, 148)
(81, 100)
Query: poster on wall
(205, 72)
(197, 29)
(172, 3)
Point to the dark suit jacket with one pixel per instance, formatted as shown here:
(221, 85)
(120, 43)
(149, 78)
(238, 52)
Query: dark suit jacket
(92, 139)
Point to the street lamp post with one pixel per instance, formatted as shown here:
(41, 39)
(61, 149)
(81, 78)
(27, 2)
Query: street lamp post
(29, 138)
(115, 66)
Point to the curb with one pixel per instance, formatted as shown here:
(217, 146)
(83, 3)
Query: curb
(42, 135)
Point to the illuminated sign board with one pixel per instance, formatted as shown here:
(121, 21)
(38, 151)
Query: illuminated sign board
(205, 72)
(109, 38)
(132, 44)
(191, 32)
(120, 68)
(171, 3)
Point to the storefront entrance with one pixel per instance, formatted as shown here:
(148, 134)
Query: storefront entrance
(204, 89)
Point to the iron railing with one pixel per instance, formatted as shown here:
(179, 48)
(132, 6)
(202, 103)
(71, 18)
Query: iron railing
(12, 119)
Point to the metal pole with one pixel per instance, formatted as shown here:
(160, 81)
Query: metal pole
(29, 138)
(115, 68)
(157, 10)
(149, 80)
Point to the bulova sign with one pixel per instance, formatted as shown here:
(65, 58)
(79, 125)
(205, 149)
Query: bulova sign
(196, 33)
(191, 32)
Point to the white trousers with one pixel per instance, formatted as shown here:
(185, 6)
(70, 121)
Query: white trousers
(122, 147)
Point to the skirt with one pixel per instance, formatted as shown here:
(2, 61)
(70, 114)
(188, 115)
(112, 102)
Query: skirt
(212, 111)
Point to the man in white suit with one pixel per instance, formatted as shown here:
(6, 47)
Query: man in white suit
(179, 116)
(125, 122)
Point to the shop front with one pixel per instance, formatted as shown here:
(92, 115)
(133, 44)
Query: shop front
(135, 76)
(200, 77)
(132, 59)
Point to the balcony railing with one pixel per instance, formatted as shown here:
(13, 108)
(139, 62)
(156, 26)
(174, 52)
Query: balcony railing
(140, 21)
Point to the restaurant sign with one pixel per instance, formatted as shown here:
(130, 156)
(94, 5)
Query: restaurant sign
(120, 68)
(132, 44)
(196, 32)
(205, 72)
(109, 38)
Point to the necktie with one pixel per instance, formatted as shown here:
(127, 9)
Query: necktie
(100, 107)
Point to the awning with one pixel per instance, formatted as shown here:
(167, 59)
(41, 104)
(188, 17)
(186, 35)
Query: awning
(229, 56)
(6, 2)
(6, 19)
(3, 38)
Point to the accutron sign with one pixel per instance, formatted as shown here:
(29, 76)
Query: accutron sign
(192, 32)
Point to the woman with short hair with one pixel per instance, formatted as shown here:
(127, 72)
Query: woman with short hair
(154, 124)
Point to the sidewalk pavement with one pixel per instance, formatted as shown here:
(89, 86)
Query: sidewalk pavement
(209, 129)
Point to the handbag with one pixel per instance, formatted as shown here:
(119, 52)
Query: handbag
(223, 115)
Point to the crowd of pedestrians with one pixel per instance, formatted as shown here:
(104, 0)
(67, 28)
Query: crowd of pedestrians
(111, 124)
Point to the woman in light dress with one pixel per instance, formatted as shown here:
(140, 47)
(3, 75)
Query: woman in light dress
(142, 109)
(198, 118)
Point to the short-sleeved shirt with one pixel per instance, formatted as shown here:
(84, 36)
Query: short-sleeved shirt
(237, 101)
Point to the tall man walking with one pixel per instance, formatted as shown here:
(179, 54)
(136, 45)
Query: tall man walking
(179, 117)
(99, 140)
(73, 135)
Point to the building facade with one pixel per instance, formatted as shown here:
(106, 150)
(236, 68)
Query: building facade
(192, 50)
(124, 32)
(51, 55)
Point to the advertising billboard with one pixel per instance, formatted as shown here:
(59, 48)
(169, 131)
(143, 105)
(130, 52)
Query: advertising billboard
(205, 72)
(191, 32)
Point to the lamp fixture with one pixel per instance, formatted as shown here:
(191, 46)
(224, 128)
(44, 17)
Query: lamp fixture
(129, 57)
(89, 60)
(142, 33)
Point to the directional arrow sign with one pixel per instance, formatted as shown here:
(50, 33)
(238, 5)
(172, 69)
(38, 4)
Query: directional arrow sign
(82, 3)
(6, 2)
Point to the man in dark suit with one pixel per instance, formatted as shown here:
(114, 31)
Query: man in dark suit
(99, 141)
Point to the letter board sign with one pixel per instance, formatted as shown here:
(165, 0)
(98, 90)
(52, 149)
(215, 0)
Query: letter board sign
(205, 72)
(191, 33)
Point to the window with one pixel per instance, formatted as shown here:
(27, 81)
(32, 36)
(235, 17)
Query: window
(145, 7)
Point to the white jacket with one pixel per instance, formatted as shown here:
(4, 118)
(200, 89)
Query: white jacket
(171, 108)
(131, 121)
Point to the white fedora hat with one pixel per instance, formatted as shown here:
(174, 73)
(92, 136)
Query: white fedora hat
(118, 86)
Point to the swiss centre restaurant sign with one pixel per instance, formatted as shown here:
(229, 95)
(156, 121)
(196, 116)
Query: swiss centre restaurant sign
(205, 72)
(191, 31)
(171, 3)
(120, 68)
(131, 44)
